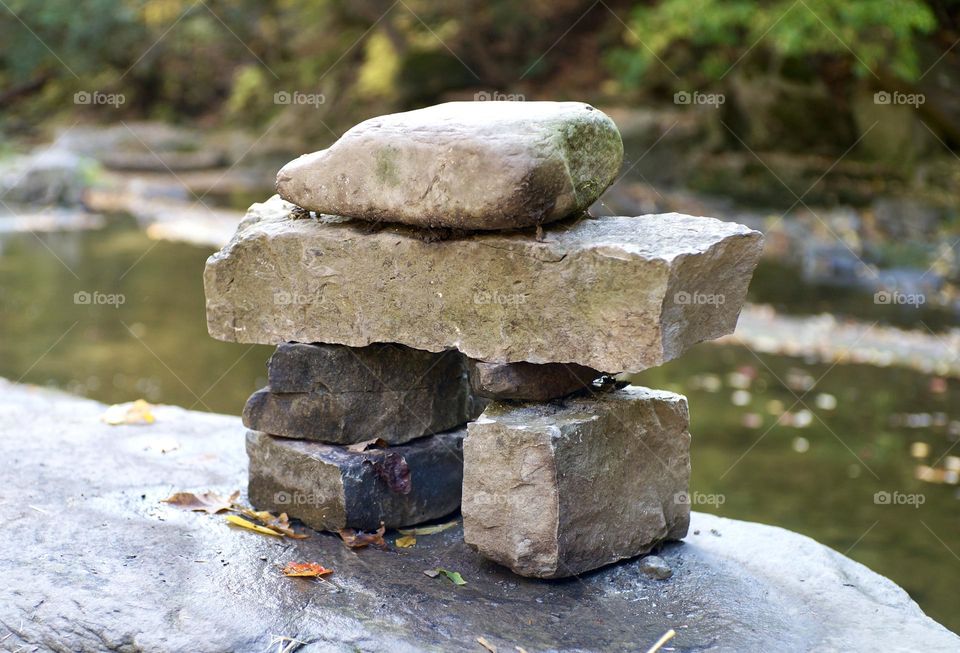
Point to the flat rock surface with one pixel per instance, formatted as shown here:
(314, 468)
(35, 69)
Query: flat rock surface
(468, 165)
(615, 294)
(92, 561)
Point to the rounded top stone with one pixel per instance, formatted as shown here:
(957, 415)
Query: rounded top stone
(465, 165)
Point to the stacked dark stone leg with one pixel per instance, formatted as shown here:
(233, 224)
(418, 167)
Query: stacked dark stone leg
(321, 399)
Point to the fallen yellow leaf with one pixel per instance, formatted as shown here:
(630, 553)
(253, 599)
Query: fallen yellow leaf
(406, 541)
(279, 523)
(429, 530)
(240, 521)
(137, 412)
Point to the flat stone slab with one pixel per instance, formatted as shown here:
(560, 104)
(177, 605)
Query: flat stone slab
(615, 294)
(342, 395)
(329, 487)
(467, 165)
(553, 491)
(92, 561)
(528, 381)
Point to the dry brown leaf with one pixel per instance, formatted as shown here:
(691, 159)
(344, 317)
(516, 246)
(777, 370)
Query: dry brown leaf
(360, 447)
(208, 502)
(358, 539)
(305, 570)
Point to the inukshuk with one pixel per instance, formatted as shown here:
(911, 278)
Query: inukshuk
(450, 318)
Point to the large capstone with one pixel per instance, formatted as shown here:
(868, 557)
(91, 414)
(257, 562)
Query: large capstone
(329, 487)
(615, 294)
(344, 395)
(468, 165)
(553, 491)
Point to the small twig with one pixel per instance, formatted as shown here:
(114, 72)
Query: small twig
(667, 636)
(291, 643)
(330, 582)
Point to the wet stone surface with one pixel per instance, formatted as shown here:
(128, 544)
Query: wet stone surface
(92, 561)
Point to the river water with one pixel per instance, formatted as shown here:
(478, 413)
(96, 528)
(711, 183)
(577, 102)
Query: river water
(833, 452)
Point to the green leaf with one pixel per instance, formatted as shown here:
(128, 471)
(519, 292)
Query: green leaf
(454, 576)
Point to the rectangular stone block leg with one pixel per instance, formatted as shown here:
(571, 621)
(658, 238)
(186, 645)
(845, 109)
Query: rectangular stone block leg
(329, 487)
(557, 490)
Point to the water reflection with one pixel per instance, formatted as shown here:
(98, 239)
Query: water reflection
(114, 316)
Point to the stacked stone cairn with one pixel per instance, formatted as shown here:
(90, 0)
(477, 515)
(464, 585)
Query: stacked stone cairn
(451, 325)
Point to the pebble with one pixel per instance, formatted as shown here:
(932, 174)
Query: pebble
(655, 567)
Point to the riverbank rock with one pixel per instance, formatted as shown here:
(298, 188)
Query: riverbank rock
(49, 177)
(615, 294)
(529, 381)
(467, 165)
(329, 487)
(343, 395)
(122, 562)
(554, 491)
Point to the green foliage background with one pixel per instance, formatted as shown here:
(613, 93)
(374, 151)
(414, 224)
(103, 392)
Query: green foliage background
(222, 61)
